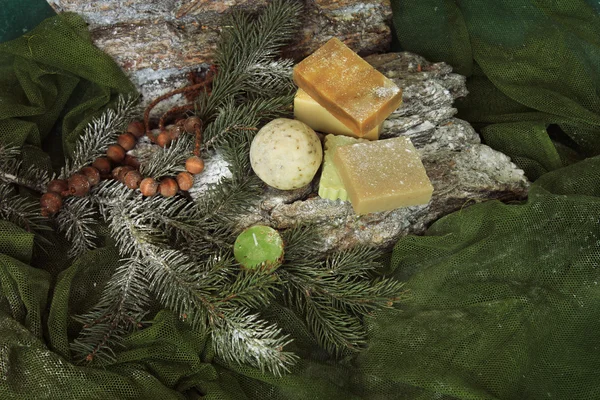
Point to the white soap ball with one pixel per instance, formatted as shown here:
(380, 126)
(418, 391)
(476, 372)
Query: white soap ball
(286, 154)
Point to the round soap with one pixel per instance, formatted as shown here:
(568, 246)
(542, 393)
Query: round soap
(286, 154)
(258, 246)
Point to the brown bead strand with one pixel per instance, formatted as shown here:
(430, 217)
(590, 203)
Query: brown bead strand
(126, 166)
(80, 183)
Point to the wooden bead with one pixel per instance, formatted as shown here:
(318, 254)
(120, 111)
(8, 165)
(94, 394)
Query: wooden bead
(194, 165)
(79, 185)
(131, 161)
(51, 203)
(58, 186)
(115, 153)
(185, 180)
(148, 187)
(127, 141)
(153, 135)
(168, 187)
(136, 128)
(174, 131)
(92, 174)
(120, 172)
(190, 124)
(132, 179)
(102, 164)
(115, 172)
(163, 139)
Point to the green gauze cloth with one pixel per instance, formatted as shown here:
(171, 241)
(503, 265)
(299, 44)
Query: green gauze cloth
(533, 68)
(54, 72)
(506, 300)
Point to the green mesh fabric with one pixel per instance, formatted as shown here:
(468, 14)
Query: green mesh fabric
(534, 87)
(505, 297)
(53, 73)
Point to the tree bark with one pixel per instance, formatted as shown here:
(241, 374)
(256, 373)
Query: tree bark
(157, 42)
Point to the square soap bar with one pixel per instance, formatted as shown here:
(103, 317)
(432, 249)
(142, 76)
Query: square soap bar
(307, 110)
(348, 87)
(330, 185)
(383, 175)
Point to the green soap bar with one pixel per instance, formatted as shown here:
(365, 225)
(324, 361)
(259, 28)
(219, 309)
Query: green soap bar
(331, 186)
(259, 246)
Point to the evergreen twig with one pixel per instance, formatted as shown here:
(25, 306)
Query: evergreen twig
(167, 161)
(21, 211)
(122, 305)
(12, 170)
(77, 220)
(334, 294)
(101, 132)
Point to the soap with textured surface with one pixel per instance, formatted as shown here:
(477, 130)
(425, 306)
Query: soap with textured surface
(307, 110)
(286, 154)
(330, 185)
(383, 175)
(348, 87)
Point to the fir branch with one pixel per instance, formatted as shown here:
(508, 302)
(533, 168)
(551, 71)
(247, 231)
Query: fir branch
(101, 132)
(336, 293)
(167, 161)
(271, 77)
(223, 204)
(203, 298)
(239, 118)
(77, 221)
(245, 339)
(302, 245)
(205, 295)
(122, 306)
(245, 42)
(198, 279)
(21, 211)
(356, 262)
(13, 171)
(245, 46)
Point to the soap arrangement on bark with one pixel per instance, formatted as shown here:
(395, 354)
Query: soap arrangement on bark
(343, 96)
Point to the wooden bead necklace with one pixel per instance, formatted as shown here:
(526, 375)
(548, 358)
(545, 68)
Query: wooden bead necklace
(119, 165)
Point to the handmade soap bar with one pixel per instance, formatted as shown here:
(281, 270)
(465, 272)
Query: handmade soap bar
(286, 154)
(383, 175)
(348, 87)
(307, 110)
(331, 186)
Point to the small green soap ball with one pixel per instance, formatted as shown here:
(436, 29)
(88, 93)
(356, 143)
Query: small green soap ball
(258, 246)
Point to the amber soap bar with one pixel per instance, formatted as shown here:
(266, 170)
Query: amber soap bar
(383, 175)
(348, 87)
(307, 110)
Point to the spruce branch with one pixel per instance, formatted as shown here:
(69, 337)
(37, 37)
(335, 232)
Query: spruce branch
(167, 161)
(206, 295)
(13, 171)
(273, 77)
(245, 339)
(21, 211)
(77, 221)
(334, 294)
(235, 118)
(185, 247)
(101, 132)
(123, 304)
(246, 41)
(246, 49)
